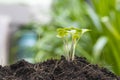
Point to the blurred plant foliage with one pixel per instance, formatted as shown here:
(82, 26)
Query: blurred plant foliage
(47, 45)
(101, 45)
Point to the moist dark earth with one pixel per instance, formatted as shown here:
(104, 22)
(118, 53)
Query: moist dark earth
(79, 69)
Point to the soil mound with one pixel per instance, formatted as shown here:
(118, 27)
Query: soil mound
(79, 69)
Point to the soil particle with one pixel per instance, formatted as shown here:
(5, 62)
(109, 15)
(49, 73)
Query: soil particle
(79, 69)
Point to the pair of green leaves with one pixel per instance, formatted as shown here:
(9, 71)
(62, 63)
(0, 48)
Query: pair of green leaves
(74, 32)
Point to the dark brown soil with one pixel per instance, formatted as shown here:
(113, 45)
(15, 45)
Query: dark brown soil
(79, 69)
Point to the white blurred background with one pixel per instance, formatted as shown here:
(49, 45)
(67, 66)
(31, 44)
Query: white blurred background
(14, 13)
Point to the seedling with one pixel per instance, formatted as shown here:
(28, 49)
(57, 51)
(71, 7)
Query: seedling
(70, 37)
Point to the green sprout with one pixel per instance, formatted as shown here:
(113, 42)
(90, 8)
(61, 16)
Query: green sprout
(70, 37)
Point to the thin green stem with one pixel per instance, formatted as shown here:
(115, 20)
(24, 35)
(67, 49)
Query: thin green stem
(73, 51)
(65, 41)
